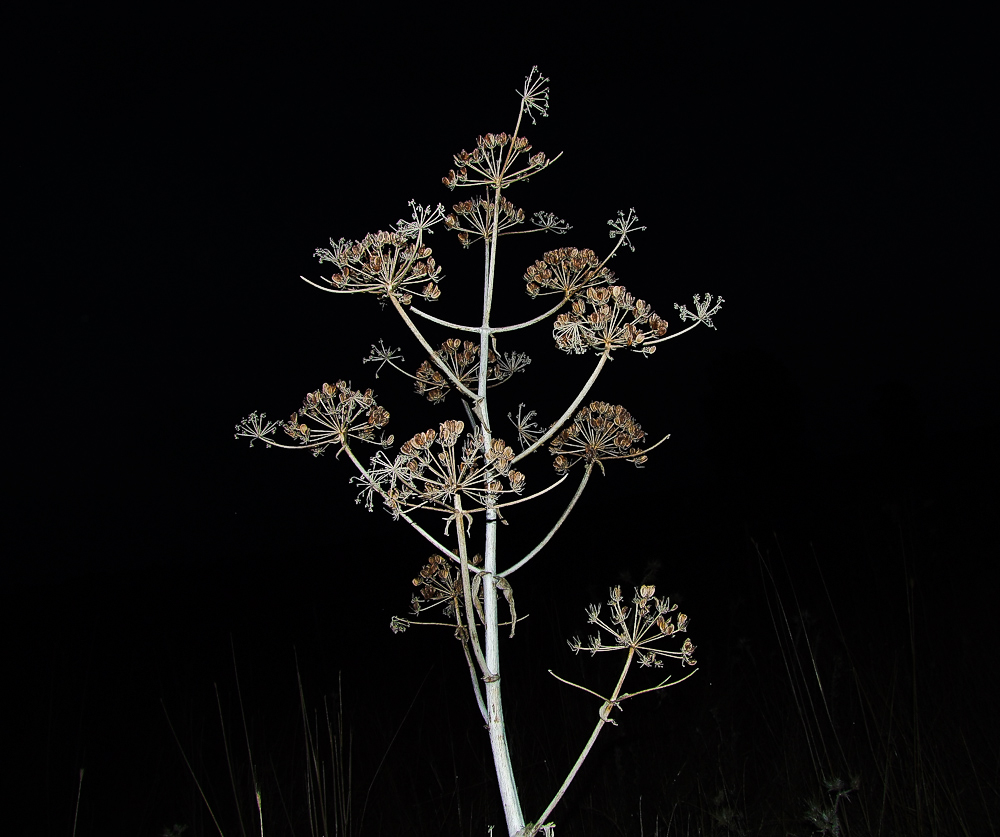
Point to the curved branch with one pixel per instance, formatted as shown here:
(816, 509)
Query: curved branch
(478, 329)
(309, 446)
(531, 322)
(666, 684)
(402, 514)
(569, 411)
(576, 685)
(672, 336)
(520, 499)
(445, 323)
(554, 529)
(642, 452)
(434, 356)
(334, 290)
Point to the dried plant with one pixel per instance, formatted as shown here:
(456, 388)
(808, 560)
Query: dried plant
(462, 471)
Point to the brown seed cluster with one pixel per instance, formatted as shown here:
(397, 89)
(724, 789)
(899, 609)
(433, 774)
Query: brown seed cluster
(462, 359)
(440, 583)
(420, 477)
(599, 431)
(436, 584)
(342, 413)
(473, 219)
(638, 629)
(608, 319)
(384, 263)
(566, 271)
(491, 162)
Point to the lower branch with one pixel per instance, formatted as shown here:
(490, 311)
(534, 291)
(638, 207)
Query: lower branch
(604, 713)
(554, 529)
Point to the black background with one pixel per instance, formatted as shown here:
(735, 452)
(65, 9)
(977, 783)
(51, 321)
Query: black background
(827, 175)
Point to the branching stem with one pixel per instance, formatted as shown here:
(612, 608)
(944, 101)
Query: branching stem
(371, 481)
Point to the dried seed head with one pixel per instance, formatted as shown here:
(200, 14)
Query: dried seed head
(567, 271)
(599, 431)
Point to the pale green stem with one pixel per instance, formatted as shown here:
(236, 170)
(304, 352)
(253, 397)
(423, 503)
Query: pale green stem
(494, 703)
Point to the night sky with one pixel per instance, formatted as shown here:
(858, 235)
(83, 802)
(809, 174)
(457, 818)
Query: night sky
(828, 177)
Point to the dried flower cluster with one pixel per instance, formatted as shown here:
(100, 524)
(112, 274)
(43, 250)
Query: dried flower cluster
(599, 431)
(462, 359)
(566, 271)
(256, 427)
(390, 264)
(651, 621)
(417, 478)
(528, 430)
(473, 219)
(622, 226)
(342, 413)
(703, 310)
(437, 584)
(605, 319)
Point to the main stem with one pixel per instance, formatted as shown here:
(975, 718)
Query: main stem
(494, 701)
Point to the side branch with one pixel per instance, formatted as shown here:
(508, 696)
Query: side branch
(554, 529)
(470, 613)
(675, 334)
(333, 290)
(603, 718)
(569, 411)
(478, 329)
(530, 322)
(445, 323)
(545, 490)
(434, 356)
(631, 456)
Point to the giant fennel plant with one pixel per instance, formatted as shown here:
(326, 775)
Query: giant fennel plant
(463, 469)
